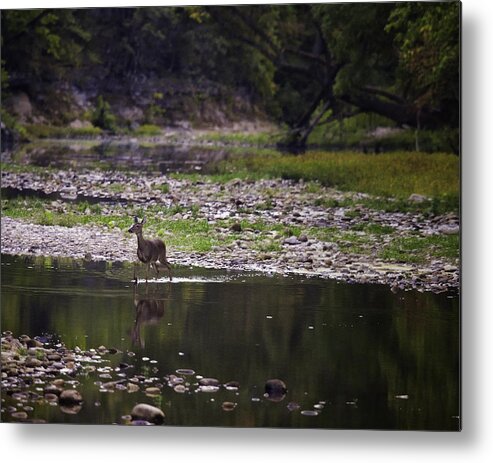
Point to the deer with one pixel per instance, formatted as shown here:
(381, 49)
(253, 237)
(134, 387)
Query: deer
(150, 251)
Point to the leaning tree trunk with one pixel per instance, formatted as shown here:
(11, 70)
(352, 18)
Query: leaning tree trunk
(296, 138)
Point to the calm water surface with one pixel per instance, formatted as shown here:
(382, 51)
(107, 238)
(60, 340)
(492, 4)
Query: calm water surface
(377, 359)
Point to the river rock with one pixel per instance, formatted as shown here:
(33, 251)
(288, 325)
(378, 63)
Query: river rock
(209, 382)
(232, 385)
(70, 397)
(153, 391)
(131, 387)
(292, 240)
(228, 406)
(146, 412)
(275, 390)
(32, 362)
(416, 198)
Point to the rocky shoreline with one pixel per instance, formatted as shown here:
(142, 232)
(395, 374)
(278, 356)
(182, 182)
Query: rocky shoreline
(42, 371)
(275, 202)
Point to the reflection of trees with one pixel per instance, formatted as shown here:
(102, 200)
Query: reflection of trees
(366, 342)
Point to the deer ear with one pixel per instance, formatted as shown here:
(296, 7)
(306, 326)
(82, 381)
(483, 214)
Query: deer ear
(143, 221)
(136, 219)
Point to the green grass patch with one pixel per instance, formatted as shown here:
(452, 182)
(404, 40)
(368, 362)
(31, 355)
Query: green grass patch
(186, 235)
(396, 174)
(419, 249)
(147, 130)
(24, 168)
(51, 131)
(373, 228)
(193, 234)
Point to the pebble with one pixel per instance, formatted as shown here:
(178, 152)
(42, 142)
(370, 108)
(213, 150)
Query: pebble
(153, 391)
(232, 385)
(309, 412)
(208, 388)
(19, 415)
(131, 387)
(293, 406)
(209, 382)
(228, 406)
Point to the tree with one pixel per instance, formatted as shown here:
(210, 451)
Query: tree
(334, 60)
(42, 44)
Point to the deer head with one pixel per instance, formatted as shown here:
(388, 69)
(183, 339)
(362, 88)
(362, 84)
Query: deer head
(137, 226)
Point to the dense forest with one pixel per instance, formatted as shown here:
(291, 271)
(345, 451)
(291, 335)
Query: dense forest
(300, 66)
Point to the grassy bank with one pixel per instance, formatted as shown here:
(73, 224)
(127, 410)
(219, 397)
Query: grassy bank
(196, 234)
(397, 174)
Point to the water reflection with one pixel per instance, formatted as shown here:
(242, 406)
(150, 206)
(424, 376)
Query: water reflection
(119, 155)
(149, 310)
(350, 356)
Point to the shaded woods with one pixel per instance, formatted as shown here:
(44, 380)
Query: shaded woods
(299, 66)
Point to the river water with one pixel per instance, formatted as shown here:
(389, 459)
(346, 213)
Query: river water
(359, 356)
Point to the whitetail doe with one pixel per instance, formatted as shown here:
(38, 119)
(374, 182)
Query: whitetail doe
(149, 252)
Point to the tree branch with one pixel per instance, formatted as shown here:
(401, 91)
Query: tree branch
(404, 114)
(380, 92)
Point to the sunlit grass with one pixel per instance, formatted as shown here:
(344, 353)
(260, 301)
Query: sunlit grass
(397, 174)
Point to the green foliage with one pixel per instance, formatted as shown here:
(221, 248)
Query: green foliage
(4, 78)
(50, 131)
(102, 116)
(12, 124)
(427, 36)
(355, 34)
(43, 41)
(296, 62)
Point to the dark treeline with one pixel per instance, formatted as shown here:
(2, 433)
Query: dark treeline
(303, 65)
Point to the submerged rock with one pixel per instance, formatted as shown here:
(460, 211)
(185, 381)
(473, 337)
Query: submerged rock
(146, 412)
(275, 390)
(209, 382)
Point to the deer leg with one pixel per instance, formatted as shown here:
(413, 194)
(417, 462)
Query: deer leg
(135, 274)
(168, 266)
(147, 271)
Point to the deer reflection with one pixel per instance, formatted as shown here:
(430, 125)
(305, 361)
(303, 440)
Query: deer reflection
(149, 310)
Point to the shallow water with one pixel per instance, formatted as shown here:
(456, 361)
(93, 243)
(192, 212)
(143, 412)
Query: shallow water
(119, 155)
(357, 355)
